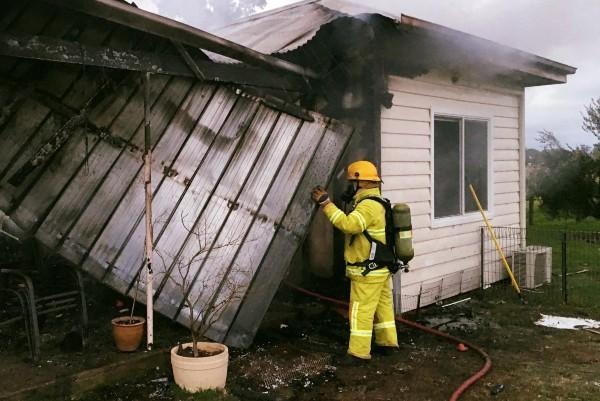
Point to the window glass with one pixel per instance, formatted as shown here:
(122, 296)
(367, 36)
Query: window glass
(475, 163)
(447, 168)
(460, 158)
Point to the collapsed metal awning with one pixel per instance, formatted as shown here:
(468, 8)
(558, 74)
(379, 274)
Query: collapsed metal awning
(231, 171)
(231, 196)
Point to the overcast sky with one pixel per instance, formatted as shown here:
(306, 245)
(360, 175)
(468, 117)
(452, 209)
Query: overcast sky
(564, 31)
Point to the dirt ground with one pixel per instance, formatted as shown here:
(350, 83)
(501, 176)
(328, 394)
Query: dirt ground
(529, 362)
(294, 358)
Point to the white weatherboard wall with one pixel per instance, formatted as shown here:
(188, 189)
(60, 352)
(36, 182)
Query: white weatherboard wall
(447, 257)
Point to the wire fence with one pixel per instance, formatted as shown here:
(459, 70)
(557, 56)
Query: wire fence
(561, 265)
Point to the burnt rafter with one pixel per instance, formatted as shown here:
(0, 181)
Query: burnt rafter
(79, 117)
(75, 119)
(61, 51)
(48, 149)
(191, 63)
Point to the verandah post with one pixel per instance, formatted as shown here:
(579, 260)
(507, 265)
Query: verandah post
(148, 214)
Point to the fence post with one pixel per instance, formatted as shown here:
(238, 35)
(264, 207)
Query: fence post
(530, 214)
(564, 264)
(482, 260)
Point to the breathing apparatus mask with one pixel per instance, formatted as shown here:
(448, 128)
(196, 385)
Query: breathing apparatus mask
(350, 191)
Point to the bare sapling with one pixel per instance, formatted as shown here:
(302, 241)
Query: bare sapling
(215, 288)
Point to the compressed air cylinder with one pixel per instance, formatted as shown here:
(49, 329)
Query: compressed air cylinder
(403, 228)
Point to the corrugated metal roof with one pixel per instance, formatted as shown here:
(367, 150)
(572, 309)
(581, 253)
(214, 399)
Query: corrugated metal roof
(287, 28)
(290, 27)
(231, 178)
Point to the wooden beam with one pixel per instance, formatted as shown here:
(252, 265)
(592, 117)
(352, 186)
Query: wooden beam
(132, 17)
(61, 51)
(58, 139)
(75, 119)
(48, 149)
(191, 63)
(25, 90)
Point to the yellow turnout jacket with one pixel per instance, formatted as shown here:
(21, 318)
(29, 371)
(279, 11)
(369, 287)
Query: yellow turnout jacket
(367, 215)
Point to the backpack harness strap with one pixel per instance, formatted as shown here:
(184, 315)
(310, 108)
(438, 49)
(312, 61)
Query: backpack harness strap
(378, 248)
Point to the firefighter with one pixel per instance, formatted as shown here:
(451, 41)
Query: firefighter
(371, 307)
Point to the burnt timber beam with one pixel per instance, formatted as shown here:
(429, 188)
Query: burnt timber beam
(191, 63)
(57, 140)
(132, 17)
(57, 106)
(61, 51)
(47, 149)
(29, 90)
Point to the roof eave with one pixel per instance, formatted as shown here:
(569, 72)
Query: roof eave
(542, 71)
(145, 21)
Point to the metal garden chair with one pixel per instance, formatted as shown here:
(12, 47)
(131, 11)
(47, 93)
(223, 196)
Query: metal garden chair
(40, 287)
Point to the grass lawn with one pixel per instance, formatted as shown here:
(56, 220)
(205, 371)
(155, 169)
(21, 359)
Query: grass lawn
(583, 257)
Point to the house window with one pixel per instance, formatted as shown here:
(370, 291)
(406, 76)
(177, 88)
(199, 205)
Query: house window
(460, 157)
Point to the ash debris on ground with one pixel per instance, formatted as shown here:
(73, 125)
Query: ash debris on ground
(275, 368)
(295, 350)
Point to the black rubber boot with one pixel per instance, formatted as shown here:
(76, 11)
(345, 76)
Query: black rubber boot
(385, 351)
(349, 360)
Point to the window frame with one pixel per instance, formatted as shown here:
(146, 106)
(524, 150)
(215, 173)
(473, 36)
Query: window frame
(464, 217)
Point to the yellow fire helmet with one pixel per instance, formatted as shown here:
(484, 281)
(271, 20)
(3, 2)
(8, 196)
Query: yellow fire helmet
(363, 170)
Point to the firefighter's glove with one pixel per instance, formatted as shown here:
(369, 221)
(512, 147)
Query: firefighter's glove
(320, 195)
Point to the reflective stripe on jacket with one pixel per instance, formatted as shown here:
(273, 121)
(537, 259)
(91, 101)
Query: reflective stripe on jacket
(368, 215)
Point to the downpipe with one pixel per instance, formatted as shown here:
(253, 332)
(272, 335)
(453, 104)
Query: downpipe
(464, 385)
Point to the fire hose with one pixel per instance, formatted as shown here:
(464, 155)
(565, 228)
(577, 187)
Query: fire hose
(464, 385)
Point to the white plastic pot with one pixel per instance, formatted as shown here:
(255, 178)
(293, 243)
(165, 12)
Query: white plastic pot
(202, 373)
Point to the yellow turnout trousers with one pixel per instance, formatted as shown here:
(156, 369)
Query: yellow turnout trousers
(370, 295)
(368, 301)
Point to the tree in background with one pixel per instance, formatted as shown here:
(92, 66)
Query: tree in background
(591, 124)
(591, 118)
(565, 179)
(206, 14)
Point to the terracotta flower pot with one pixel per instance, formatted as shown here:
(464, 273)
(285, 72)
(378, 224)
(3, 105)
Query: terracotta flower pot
(202, 373)
(127, 334)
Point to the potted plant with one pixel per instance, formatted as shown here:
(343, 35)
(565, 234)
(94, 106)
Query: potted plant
(201, 365)
(127, 332)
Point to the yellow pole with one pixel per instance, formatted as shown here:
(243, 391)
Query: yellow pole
(498, 247)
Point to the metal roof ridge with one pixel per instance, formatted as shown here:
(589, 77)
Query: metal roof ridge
(266, 13)
(368, 9)
(321, 3)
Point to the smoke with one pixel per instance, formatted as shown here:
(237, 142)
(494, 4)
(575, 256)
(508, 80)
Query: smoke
(567, 32)
(563, 31)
